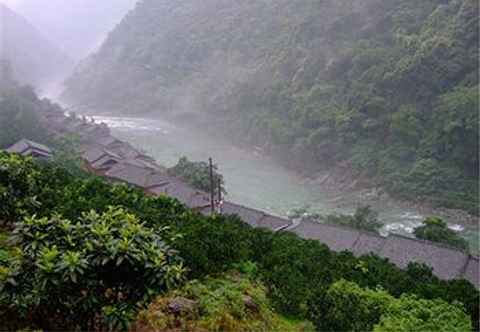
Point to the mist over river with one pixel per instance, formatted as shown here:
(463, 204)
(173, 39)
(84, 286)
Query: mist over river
(255, 180)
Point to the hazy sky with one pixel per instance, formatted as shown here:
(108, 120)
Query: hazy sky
(75, 26)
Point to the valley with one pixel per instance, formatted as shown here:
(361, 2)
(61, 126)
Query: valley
(256, 180)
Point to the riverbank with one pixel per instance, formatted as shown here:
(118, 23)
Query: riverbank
(265, 182)
(344, 185)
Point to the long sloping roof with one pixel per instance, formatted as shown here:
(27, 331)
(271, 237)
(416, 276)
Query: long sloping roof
(472, 271)
(447, 263)
(250, 216)
(184, 193)
(368, 244)
(128, 173)
(274, 223)
(108, 141)
(25, 147)
(336, 238)
(95, 153)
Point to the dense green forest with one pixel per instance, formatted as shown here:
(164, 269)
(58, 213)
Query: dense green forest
(387, 88)
(73, 249)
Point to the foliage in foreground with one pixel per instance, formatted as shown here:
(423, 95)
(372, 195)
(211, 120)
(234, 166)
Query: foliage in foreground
(436, 230)
(296, 272)
(347, 307)
(81, 273)
(228, 303)
(412, 314)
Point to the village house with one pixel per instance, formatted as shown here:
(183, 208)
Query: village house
(26, 148)
(138, 176)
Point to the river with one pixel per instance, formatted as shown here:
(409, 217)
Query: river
(255, 180)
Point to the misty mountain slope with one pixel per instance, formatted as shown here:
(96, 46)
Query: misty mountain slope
(33, 58)
(75, 26)
(388, 88)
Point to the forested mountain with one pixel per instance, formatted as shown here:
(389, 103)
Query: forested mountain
(33, 58)
(64, 22)
(387, 87)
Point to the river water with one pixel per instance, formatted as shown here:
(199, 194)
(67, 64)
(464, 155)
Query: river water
(255, 180)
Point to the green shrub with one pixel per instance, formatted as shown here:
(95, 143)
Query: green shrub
(410, 313)
(229, 303)
(347, 307)
(213, 245)
(297, 272)
(73, 272)
(436, 230)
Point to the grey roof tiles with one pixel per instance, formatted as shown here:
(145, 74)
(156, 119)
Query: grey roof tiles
(27, 148)
(274, 223)
(446, 263)
(129, 173)
(185, 194)
(250, 216)
(368, 244)
(472, 271)
(336, 238)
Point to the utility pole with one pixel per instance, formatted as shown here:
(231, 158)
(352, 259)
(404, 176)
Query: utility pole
(220, 203)
(212, 187)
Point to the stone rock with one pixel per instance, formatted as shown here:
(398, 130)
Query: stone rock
(181, 306)
(250, 304)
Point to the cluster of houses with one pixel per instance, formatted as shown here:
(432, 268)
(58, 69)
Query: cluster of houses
(118, 161)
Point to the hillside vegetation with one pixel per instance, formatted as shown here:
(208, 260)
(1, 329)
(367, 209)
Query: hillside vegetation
(386, 88)
(73, 249)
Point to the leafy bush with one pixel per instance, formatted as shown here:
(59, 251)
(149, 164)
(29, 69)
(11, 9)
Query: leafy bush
(410, 313)
(297, 272)
(231, 302)
(347, 307)
(73, 273)
(213, 245)
(436, 230)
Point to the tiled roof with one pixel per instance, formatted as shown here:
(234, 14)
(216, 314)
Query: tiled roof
(156, 180)
(27, 147)
(446, 263)
(107, 141)
(250, 216)
(336, 238)
(105, 162)
(368, 244)
(185, 194)
(125, 150)
(472, 271)
(92, 154)
(274, 223)
(198, 200)
(129, 173)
